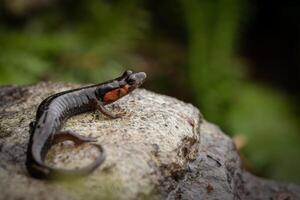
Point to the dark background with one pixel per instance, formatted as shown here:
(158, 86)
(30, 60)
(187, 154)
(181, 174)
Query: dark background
(237, 60)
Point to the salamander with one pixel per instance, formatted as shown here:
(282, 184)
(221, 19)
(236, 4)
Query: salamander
(56, 109)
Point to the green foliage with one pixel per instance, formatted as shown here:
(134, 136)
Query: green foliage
(266, 120)
(262, 116)
(87, 43)
(212, 30)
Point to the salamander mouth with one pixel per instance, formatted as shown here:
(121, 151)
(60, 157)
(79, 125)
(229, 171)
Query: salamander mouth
(141, 77)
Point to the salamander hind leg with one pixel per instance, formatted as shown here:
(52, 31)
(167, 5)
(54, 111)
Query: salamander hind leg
(75, 137)
(78, 139)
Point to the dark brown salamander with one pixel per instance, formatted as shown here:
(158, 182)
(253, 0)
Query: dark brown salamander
(55, 109)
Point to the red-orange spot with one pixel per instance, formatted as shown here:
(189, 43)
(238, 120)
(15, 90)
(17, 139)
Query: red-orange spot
(111, 95)
(116, 94)
(124, 90)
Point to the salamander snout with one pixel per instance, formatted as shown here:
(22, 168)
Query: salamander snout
(136, 79)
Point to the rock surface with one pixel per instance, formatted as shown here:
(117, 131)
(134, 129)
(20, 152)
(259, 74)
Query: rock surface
(161, 149)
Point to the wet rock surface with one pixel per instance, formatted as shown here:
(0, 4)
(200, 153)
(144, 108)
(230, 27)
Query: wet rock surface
(161, 149)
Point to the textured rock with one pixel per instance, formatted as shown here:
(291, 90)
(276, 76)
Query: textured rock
(161, 148)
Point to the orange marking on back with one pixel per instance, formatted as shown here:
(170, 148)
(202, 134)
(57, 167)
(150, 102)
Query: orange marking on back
(124, 90)
(126, 87)
(112, 95)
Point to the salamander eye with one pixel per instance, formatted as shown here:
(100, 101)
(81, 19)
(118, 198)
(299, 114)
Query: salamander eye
(131, 81)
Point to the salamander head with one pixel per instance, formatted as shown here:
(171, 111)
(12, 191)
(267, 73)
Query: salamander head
(121, 86)
(134, 80)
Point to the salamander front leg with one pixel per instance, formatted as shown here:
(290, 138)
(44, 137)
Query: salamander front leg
(75, 137)
(108, 113)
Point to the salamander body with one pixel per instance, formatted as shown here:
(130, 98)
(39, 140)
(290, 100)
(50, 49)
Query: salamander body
(55, 109)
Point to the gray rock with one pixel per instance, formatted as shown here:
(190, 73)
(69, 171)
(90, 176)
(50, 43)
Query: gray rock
(161, 149)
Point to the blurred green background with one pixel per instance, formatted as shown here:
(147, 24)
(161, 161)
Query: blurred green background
(237, 60)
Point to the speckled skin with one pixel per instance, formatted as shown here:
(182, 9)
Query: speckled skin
(55, 109)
